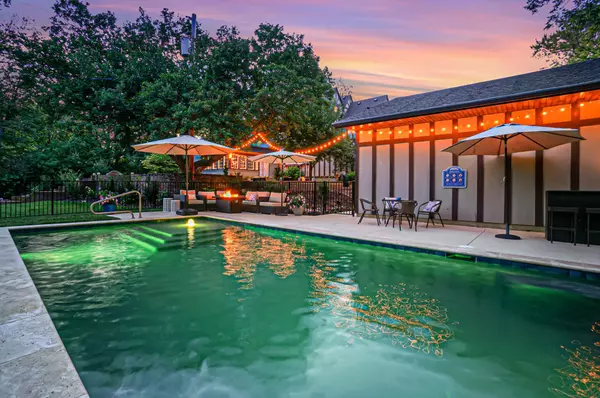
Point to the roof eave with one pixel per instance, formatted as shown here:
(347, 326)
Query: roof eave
(475, 104)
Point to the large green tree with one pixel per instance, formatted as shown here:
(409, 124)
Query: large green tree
(572, 30)
(77, 94)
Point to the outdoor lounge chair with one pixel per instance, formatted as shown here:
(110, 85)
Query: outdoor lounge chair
(209, 199)
(367, 205)
(273, 205)
(429, 209)
(253, 199)
(192, 201)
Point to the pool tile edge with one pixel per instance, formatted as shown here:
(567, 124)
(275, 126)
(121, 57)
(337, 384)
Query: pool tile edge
(41, 365)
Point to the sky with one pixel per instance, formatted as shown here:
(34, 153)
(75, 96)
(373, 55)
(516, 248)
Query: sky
(394, 47)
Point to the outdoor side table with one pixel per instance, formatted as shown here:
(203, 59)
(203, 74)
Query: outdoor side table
(167, 204)
(588, 212)
(573, 211)
(175, 205)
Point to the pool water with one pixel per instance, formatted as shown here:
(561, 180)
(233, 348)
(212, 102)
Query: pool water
(218, 310)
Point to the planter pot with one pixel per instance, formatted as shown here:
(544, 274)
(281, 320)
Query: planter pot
(298, 211)
(109, 207)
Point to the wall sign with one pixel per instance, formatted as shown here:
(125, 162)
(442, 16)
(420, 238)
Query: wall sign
(454, 177)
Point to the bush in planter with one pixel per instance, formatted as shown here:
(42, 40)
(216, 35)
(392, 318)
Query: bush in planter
(351, 176)
(297, 201)
(293, 173)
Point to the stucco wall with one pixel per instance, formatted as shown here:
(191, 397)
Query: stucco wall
(383, 173)
(401, 170)
(421, 183)
(589, 178)
(467, 198)
(493, 189)
(364, 173)
(443, 160)
(523, 188)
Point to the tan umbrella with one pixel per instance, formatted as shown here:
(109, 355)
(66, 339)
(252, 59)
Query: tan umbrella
(283, 157)
(184, 145)
(512, 138)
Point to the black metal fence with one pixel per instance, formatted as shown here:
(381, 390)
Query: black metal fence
(43, 198)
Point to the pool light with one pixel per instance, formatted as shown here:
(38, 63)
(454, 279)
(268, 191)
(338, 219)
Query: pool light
(191, 223)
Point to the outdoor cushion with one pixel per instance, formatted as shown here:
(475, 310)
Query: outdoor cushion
(251, 196)
(195, 202)
(271, 204)
(183, 192)
(221, 193)
(431, 206)
(263, 194)
(276, 197)
(207, 194)
(191, 196)
(211, 201)
(249, 202)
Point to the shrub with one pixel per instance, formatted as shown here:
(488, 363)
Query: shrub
(293, 173)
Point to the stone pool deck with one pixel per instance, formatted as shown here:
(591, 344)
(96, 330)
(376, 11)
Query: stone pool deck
(34, 362)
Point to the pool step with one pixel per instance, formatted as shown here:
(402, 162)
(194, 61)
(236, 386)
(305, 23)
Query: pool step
(155, 240)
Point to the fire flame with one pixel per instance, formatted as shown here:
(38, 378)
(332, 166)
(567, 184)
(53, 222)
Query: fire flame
(229, 195)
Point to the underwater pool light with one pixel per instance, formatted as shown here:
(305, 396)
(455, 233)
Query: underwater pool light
(191, 223)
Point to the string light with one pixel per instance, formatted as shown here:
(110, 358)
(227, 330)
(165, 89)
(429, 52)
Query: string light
(329, 143)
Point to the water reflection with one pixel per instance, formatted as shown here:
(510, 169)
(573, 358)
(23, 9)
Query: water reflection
(244, 250)
(401, 313)
(581, 377)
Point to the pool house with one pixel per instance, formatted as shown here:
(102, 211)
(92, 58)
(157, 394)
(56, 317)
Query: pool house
(400, 142)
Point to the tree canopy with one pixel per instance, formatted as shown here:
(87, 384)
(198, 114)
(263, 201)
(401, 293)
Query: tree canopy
(77, 94)
(572, 30)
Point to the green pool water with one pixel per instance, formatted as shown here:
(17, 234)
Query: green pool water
(163, 310)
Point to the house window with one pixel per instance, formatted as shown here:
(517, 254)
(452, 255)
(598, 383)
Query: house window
(242, 162)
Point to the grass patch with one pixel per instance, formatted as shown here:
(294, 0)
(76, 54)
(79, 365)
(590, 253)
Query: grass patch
(62, 218)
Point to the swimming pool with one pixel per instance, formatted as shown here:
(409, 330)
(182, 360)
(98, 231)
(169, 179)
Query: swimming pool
(220, 310)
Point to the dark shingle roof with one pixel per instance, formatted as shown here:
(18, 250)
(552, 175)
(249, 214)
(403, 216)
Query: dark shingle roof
(562, 80)
(357, 107)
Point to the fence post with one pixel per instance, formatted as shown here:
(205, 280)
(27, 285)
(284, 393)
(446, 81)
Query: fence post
(353, 200)
(52, 196)
(314, 196)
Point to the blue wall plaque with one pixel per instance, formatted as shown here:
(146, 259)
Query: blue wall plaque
(454, 177)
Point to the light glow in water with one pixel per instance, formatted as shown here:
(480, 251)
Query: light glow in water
(191, 223)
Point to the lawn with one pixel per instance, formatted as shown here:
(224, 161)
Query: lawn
(63, 218)
(41, 208)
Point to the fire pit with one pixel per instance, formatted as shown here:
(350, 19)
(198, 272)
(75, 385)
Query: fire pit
(228, 203)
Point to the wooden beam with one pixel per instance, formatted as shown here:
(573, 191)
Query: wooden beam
(454, 163)
(411, 167)
(480, 178)
(539, 177)
(431, 160)
(392, 169)
(576, 149)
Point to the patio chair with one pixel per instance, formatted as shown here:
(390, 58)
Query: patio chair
(429, 209)
(391, 206)
(367, 205)
(407, 209)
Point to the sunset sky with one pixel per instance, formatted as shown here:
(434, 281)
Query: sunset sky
(395, 47)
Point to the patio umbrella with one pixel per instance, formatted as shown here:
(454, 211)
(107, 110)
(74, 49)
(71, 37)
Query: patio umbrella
(512, 138)
(283, 157)
(184, 145)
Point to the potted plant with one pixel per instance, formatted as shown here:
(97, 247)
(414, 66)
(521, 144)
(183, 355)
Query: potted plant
(297, 203)
(108, 204)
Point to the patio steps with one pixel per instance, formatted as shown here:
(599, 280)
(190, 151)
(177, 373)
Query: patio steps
(154, 240)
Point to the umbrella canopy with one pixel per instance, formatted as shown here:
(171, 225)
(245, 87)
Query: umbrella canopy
(184, 145)
(513, 138)
(283, 157)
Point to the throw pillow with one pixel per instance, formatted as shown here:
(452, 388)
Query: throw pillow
(430, 206)
(252, 197)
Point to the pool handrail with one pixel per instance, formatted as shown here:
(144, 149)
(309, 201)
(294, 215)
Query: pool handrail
(118, 211)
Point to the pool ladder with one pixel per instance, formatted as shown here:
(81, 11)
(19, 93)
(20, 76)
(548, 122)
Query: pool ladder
(119, 211)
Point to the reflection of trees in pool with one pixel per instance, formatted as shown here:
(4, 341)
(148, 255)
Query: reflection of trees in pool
(244, 250)
(581, 377)
(401, 313)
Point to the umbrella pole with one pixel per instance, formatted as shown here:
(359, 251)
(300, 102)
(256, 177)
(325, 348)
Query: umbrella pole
(185, 211)
(281, 212)
(507, 184)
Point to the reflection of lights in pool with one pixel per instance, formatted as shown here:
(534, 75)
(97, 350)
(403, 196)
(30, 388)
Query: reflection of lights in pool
(191, 223)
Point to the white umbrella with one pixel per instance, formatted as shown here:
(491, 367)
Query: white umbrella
(184, 145)
(512, 138)
(283, 157)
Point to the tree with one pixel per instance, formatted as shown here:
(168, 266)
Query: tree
(573, 31)
(155, 163)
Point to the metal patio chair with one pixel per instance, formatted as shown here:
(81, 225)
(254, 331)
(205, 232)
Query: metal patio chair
(407, 210)
(429, 209)
(367, 205)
